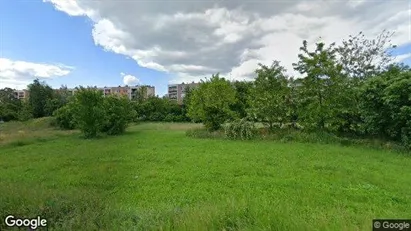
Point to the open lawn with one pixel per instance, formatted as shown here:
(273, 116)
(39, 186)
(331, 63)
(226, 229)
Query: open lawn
(156, 178)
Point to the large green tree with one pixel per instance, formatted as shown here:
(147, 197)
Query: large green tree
(211, 102)
(321, 86)
(269, 101)
(386, 104)
(242, 95)
(39, 94)
(361, 58)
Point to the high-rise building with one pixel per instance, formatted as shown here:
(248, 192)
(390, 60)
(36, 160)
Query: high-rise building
(177, 91)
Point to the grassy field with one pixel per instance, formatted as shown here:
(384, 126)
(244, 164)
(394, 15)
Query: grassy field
(156, 178)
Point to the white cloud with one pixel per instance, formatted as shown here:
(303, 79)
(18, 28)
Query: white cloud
(400, 58)
(193, 39)
(129, 79)
(17, 74)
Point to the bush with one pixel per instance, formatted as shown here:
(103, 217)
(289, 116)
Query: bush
(117, 111)
(240, 129)
(25, 112)
(89, 111)
(169, 118)
(64, 117)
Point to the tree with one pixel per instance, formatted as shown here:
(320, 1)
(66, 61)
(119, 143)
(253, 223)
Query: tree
(362, 58)
(89, 112)
(242, 95)
(117, 111)
(386, 104)
(26, 111)
(9, 105)
(397, 98)
(140, 94)
(60, 98)
(270, 91)
(321, 86)
(211, 102)
(159, 109)
(292, 100)
(65, 116)
(186, 102)
(39, 94)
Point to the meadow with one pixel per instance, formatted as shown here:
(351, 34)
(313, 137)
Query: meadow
(154, 177)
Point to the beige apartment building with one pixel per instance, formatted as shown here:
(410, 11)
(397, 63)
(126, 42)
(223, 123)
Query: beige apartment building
(129, 91)
(177, 91)
(21, 94)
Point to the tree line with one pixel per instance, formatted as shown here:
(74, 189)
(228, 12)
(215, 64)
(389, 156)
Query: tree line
(353, 89)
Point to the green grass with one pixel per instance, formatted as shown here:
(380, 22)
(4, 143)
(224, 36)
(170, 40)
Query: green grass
(18, 133)
(156, 178)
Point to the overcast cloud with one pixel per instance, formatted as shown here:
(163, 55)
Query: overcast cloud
(193, 39)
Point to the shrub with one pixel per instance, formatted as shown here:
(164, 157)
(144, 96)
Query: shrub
(240, 129)
(25, 112)
(89, 111)
(64, 117)
(169, 118)
(117, 111)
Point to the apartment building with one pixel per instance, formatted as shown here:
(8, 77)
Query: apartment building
(129, 91)
(177, 91)
(21, 94)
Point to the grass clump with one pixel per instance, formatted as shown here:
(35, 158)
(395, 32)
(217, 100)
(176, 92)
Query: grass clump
(240, 129)
(205, 133)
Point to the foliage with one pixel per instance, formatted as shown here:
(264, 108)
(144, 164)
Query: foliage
(65, 117)
(9, 105)
(159, 109)
(240, 129)
(140, 94)
(186, 103)
(39, 94)
(26, 111)
(386, 105)
(117, 114)
(60, 98)
(211, 102)
(89, 111)
(242, 96)
(270, 92)
(321, 85)
(363, 58)
(51, 106)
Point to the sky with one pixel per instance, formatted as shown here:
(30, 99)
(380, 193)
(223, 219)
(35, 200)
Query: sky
(159, 42)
